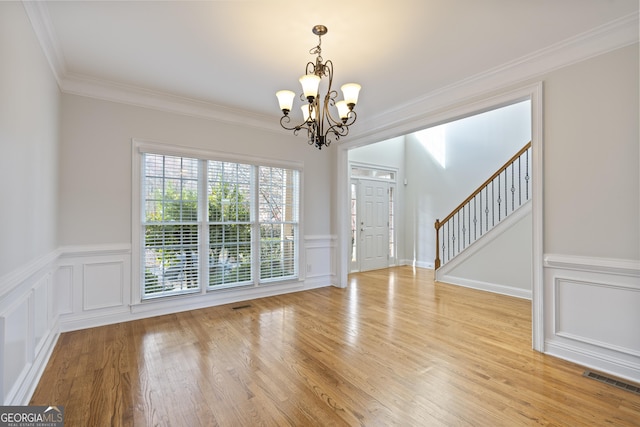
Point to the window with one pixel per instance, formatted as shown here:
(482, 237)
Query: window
(278, 204)
(209, 224)
(170, 224)
(230, 227)
(392, 221)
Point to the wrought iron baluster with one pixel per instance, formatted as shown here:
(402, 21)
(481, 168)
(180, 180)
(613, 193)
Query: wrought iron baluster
(475, 217)
(493, 198)
(513, 189)
(453, 237)
(526, 176)
(469, 219)
(458, 216)
(443, 245)
(506, 198)
(486, 209)
(520, 181)
(499, 199)
(448, 237)
(464, 241)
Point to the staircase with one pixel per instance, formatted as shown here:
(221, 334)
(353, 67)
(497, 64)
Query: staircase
(490, 204)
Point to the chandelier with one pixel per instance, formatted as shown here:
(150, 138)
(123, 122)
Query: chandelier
(322, 127)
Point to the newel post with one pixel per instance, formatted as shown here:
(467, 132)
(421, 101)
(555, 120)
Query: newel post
(437, 261)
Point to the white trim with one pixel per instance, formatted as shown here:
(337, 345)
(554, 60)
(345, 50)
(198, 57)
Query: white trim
(44, 271)
(141, 146)
(156, 147)
(612, 365)
(590, 346)
(607, 37)
(24, 391)
(11, 280)
(40, 20)
(418, 264)
(317, 240)
(622, 267)
(537, 200)
(77, 84)
(596, 343)
(486, 286)
(94, 250)
(409, 117)
(534, 92)
(509, 221)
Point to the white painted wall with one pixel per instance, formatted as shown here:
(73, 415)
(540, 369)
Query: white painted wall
(591, 191)
(475, 148)
(29, 113)
(29, 148)
(591, 203)
(591, 213)
(388, 153)
(503, 264)
(95, 177)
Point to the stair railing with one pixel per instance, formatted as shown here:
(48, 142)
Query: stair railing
(485, 207)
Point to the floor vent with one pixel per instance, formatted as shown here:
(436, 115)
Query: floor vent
(238, 307)
(611, 381)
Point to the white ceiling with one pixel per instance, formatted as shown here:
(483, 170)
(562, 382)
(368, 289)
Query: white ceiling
(234, 55)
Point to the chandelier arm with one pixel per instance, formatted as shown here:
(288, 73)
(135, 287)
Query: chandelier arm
(319, 116)
(310, 68)
(296, 128)
(330, 100)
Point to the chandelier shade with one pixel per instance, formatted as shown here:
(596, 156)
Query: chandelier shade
(285, 99)
(324, 118)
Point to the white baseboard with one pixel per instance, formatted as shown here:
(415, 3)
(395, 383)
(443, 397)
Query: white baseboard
(78, 287)
(416, 263)
(489, 287)
(608, 364)
(592, 312)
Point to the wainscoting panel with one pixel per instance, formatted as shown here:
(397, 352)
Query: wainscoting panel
(42, 313)
(81, 287)
(103, 285)
(63, 298)
(580, 307)
(28, 328)
(592, 313)
(320, 260)
(15, 322)
(95, 285)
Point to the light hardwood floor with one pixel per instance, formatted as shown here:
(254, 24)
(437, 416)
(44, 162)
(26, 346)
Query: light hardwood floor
(394, 348)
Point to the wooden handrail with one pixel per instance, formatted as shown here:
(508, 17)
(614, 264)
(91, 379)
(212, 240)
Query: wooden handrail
(438, 224)
(484, 184)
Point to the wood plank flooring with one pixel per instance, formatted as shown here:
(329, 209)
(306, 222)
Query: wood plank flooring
(392, 349)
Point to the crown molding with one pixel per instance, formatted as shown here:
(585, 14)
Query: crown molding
(410, 116)
(38, 15)
(134, 95)
(401, 119)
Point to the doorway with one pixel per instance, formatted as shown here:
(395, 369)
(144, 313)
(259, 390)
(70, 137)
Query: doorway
(372, 218)
(534, 94)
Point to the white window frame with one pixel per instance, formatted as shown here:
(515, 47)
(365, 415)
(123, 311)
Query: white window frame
(140, 147)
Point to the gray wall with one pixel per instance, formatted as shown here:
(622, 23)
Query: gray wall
(591, 181)
(95, 177)
(29, 138)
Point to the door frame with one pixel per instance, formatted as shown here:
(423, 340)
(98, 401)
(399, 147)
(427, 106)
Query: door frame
(392, 258)
(455, 111)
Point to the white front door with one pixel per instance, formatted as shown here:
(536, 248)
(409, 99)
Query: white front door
(373, 209)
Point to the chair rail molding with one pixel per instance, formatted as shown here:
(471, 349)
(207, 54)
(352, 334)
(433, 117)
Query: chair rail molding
(591, 312)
